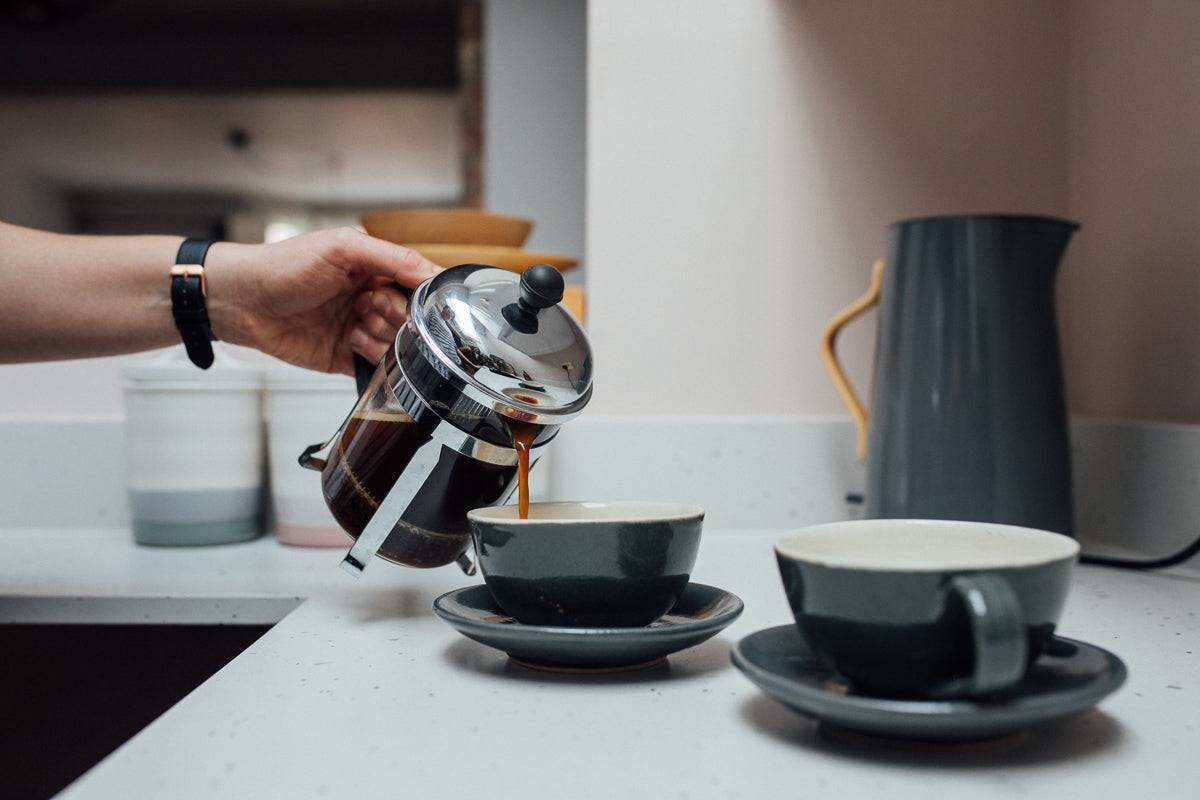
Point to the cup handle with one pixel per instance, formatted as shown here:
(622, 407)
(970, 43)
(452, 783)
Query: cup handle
(834, 367)
(997, 629)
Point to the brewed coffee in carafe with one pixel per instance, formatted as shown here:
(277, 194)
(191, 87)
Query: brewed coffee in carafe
(481, 376)
(373, 452)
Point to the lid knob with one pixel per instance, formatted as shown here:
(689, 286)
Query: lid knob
(541, 287)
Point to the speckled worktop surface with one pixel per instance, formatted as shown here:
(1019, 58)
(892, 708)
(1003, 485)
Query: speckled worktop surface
(359, 690)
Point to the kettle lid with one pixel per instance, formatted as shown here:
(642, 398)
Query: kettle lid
(507, 338)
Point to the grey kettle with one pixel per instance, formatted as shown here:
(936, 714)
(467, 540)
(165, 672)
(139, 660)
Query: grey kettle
(968, 418)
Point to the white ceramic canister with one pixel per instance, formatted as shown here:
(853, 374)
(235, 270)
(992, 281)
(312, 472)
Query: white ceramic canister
(300, 404)
(194, 449)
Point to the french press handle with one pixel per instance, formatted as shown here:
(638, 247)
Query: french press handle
(364, 369)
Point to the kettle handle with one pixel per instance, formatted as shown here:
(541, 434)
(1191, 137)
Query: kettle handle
(834, 367)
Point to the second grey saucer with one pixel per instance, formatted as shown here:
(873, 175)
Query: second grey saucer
(1073, 676)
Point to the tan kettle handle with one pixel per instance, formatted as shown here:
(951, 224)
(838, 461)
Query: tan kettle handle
(834, 367)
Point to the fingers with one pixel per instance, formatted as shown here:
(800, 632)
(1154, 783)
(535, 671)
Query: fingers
(395, 262)
(387, 303)
(419, 266)
(381, 312)
(368, 346)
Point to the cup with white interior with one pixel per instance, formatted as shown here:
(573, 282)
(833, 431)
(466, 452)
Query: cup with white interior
(587, 564)
(926, 608)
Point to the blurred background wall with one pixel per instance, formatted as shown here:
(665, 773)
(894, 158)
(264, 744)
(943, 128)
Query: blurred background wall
(725, 170)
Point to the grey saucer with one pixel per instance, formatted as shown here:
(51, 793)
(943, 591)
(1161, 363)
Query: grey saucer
(1071, 677)
(700, 613)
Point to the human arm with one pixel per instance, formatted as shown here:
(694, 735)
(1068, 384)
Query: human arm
(311, 300)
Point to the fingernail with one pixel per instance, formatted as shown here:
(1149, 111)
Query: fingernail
(358, 337)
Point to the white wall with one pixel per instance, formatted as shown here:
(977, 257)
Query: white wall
(318, 148)
(323, 148)
(535, 113)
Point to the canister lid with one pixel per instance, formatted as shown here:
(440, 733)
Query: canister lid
(511, 346)
(172, 369)
(283, 377)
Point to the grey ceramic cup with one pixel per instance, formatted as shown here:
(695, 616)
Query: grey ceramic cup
(926, 608)
(583, 564)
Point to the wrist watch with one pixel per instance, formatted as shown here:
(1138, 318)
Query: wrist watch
(188, 292)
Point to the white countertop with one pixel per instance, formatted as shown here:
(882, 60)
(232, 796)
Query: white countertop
(360, 691)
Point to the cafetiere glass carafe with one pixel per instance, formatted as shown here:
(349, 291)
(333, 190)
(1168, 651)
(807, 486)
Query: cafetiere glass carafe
(487, 363)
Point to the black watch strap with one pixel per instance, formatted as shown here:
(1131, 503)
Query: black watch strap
(188, 292)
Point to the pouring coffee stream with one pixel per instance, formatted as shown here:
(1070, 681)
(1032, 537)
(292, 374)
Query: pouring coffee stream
(455, 414)
(523, 435)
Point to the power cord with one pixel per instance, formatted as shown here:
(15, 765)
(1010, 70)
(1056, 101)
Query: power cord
(1154, 563)
(856, 499)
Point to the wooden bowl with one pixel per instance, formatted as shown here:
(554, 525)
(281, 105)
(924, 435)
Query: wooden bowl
(513, 258)
(447, 225)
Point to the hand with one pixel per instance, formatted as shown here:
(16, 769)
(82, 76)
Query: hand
(315, 299)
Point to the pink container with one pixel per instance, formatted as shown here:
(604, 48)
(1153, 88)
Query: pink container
(299, 405)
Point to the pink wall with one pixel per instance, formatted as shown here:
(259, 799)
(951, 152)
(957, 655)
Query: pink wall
(743, 168)
(1130, 293)
(745, 162)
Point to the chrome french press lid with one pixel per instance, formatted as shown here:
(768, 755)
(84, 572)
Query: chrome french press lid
(482, 340)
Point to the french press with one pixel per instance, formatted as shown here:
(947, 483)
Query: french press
(484, 352)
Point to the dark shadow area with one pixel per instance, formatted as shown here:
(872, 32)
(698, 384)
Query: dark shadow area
(390, 603)
(226, 45)
(1090, 734)
(71, 694)
(703, 659)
